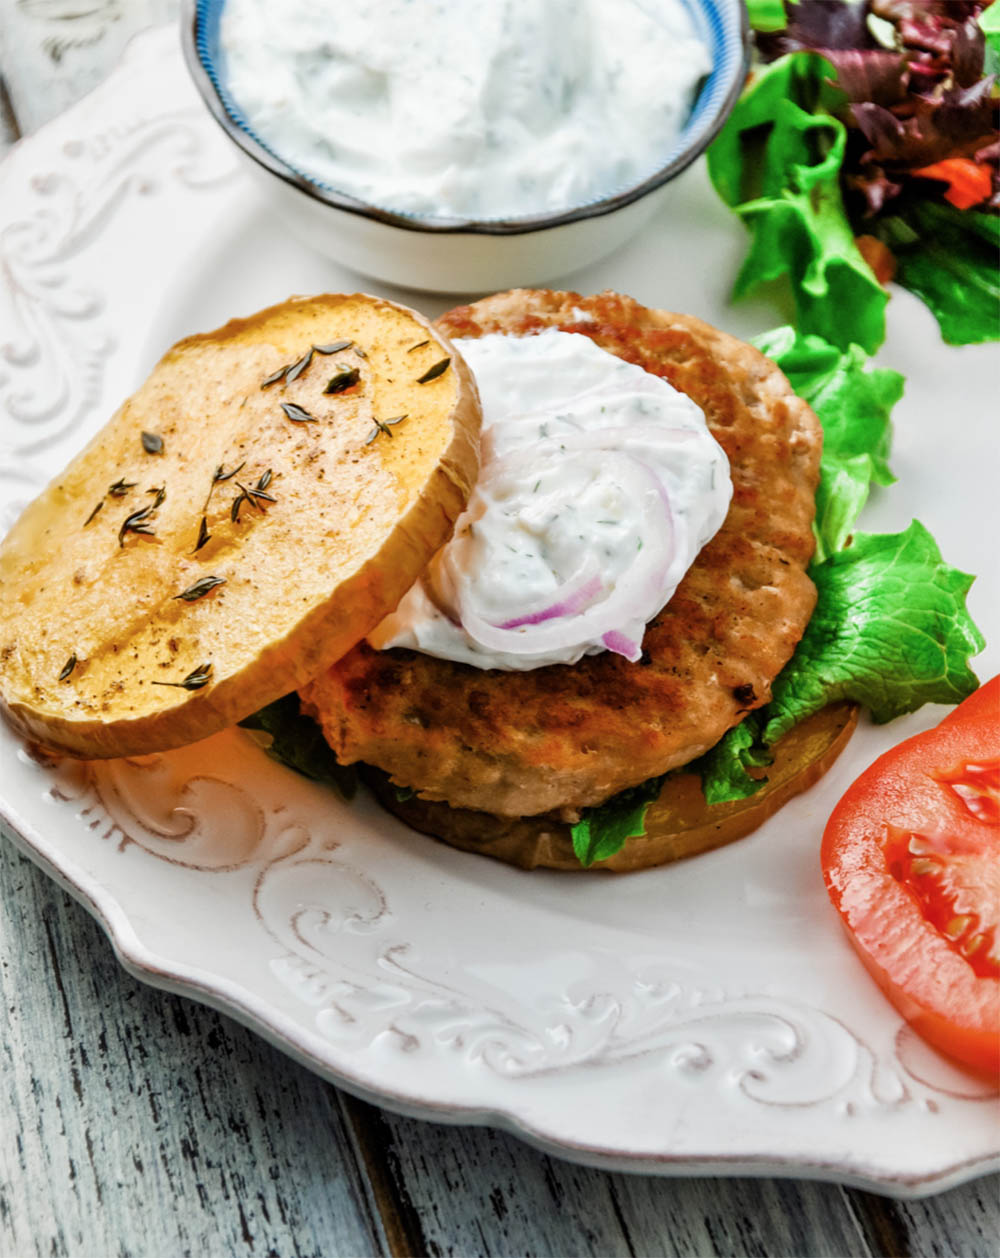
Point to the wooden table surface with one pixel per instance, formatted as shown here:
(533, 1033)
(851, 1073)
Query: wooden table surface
(138, 1123)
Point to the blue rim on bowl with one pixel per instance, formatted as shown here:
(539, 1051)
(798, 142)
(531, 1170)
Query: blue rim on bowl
(723, 23)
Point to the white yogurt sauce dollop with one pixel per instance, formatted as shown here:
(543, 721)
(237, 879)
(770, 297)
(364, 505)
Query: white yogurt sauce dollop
(599, 485)
(466, 108)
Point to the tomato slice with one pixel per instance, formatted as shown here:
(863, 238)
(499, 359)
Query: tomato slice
(911, 858)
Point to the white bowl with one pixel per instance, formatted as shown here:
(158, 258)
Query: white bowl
(463, 255)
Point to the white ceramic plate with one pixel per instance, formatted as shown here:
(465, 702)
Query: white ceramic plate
(704, 1018)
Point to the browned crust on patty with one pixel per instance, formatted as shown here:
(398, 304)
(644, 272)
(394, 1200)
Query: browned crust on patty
(567, 737)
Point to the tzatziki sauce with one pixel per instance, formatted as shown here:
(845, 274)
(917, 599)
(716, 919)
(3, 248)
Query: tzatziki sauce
(466, 108)
(599, 485)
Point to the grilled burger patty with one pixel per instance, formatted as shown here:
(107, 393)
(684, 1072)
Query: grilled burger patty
(561, 738)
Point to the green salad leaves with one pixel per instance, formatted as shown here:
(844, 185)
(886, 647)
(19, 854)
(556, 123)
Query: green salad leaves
(854, 403)
(890, 631)
(871, 122)
(777, 163)
(949, 258)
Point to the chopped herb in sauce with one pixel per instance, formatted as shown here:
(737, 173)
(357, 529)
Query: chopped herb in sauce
(67, 668)
(93, 513)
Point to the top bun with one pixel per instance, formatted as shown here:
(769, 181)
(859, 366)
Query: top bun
(154, 594)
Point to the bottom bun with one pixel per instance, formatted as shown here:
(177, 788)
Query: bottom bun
(678, 824)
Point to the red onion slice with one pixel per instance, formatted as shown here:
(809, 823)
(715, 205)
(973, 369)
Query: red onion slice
(632, 600)
(569, 605)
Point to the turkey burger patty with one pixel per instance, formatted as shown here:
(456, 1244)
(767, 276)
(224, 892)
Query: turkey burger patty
(560, 738)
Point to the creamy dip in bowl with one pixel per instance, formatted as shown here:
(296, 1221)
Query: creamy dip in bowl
(453, 146)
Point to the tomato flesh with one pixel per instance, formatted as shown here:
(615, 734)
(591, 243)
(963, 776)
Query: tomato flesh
(911, 858)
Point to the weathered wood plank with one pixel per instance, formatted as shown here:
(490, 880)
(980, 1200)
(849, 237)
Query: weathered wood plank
(447, 1191)
(133, 1122)
(56, 50)
(963, 1223)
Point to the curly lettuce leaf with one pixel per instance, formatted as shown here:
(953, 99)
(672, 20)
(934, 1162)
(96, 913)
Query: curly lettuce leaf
(723, 770)
(890, 631)
(854, 405)
(766, 15)
(989, 24)
(297, 741)
(777, 163)
(602, 831)
(951, 260)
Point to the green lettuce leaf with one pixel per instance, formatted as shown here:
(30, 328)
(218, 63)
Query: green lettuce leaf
(890, 631)
(723, 770)
(989, 22)
(949, 258)
(777, 163)
(602, 831)
(854, 405)
(767, 15)
(297, 741)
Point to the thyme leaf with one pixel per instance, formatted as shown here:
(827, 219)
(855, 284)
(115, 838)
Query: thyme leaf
(384, 425)
(297, 414)
(345, 379)
(93, 513)
(161, 493)
(432, 373)
(249, 496)
(136, 523)
(152, 443)
(121, 487)
(203, 535)
(67, 668)
(298, 368)
(264, 481)
(200, 589)
(201, 676)
(221, 474)
(334, 348)
(419, 345)
(273, 378)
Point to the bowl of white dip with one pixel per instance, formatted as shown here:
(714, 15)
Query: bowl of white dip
(454, 146)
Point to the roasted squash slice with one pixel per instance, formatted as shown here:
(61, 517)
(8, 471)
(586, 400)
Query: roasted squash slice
(261, 502)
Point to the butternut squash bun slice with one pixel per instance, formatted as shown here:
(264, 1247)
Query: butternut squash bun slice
(246, 517)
